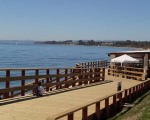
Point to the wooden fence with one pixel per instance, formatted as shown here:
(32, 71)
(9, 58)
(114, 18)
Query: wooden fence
(19, 82)
(110, 108)
(126, 72)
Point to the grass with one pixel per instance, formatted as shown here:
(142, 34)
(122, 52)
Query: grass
(140, 111)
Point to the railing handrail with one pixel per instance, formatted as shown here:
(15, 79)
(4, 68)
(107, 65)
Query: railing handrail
(4, 69)
(126, 67)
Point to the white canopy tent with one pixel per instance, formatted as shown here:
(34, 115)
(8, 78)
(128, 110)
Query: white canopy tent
(124, 59)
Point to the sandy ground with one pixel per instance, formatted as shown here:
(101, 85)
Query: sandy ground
(44, 107)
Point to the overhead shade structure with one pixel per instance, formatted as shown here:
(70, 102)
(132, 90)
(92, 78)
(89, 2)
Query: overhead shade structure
(125, 59)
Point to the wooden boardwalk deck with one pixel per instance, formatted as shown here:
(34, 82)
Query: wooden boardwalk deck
(44, 107)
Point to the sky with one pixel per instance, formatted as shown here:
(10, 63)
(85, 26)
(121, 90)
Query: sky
(75, 20)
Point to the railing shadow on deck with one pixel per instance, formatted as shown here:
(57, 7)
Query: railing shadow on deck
(30, 97)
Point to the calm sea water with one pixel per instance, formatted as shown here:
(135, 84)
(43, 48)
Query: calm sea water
(30, 55)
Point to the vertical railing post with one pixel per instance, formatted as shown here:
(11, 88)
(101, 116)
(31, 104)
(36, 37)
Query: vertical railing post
(97, 110)
(71, 116)
(6, 95)
(57, 79)
(84, 113)
(136, 89)
(98, 64)
(74, 78)
(88, 65)
(134, 92)
(47, 79)
(114, 104)
(142, 87)
(36, 73)
(66, 72)
(103, 74)
(23, 83)
(85, 77)
(91, 74)
(98, 74)
(120, 100)
(80, 76)
(51, 89)
(130, 95)
(126, 95)
(107, 107)
(114, 101)
(95, 75)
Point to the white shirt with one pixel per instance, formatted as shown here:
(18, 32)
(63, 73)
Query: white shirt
(41, 90)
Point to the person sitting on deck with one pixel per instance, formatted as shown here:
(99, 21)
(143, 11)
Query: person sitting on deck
(39, 91)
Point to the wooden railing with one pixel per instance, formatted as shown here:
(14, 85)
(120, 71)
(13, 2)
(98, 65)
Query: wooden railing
(23, 81)
(103, 63)
(110, 108)
(126, 72)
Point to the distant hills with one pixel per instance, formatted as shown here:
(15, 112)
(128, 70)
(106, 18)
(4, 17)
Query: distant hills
(126, 43)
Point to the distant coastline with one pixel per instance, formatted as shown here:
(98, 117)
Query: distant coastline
(140, 45)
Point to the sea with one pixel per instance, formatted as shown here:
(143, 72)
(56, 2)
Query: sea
(28, 54)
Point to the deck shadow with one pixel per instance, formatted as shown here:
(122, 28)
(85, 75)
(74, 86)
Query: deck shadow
(29, 97)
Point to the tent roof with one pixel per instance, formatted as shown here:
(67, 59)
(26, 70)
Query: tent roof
(124, 59)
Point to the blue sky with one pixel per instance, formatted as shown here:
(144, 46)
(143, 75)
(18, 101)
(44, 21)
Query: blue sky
(74, 19)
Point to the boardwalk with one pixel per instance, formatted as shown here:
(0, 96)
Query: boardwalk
(44, 107)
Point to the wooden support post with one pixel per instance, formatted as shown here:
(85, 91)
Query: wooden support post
(47, 79)
(140, 86)
(134, 92)
(120, 100)
(73, 84)
(66, 72)
(103, 74)
(130, 94)
(136, 89)
(98, 74)
(71, 116)
(6, 95)
(95, 74)
(84, 113)
(36, 73)
(50, 81)
(97, 110)
(91, 74)
(58, 80)
(98, 62)
(126, 95)
(107, 107)
(80, 76)
(23, 83)
(114, 101)
(88, 65)
(86, 77)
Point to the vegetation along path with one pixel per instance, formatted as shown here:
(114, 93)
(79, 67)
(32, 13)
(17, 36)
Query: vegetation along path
(140, 111)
